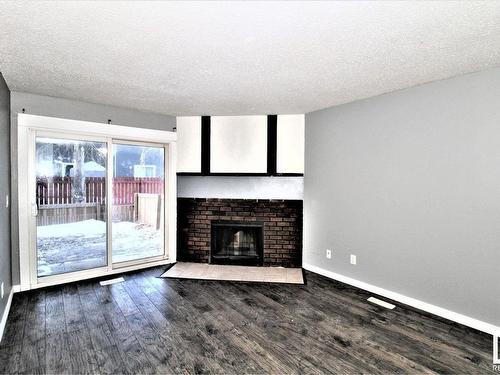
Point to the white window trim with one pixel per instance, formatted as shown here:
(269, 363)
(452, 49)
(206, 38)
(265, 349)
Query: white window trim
(27, 126)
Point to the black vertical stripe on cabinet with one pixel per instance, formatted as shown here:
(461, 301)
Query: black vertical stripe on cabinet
(272, 143)
(205, 145)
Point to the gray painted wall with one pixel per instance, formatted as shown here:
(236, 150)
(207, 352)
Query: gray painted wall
(240, 187)
(75, 110)
(5, 259)
(410, 183)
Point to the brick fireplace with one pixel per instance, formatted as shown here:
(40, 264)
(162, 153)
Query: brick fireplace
(281, 222)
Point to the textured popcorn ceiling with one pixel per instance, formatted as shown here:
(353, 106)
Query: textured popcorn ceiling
(240, 58)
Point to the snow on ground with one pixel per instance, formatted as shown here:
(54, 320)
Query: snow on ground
(82, 245)
(87, 228)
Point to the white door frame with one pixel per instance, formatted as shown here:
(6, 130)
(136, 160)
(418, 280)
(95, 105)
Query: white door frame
(28, 127)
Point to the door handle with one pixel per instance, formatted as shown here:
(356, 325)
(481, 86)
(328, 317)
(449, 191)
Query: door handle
(34, 209)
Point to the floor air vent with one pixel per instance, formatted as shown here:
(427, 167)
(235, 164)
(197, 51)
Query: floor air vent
(379, 302)
(112, 281)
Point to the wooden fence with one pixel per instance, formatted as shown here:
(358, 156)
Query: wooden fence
(134, 200)
(51, 214)
(58, 190)
(149, 209)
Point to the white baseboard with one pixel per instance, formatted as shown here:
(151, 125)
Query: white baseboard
(5, 315)
(16, 288)
(424, 306)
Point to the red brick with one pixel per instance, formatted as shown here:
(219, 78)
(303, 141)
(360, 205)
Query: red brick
(281, 219)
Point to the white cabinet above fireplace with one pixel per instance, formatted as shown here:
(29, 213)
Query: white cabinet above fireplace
(241, 145)
(238, 144)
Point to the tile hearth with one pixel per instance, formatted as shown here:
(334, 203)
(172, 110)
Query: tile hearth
(204, 271)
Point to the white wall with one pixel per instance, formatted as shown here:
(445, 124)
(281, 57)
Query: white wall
(240, 187)
(410, 183)
(238, 144)
(290, 144)
(189, 144)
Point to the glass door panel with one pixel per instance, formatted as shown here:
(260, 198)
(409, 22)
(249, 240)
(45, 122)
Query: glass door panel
(138, 226)
(71, 233)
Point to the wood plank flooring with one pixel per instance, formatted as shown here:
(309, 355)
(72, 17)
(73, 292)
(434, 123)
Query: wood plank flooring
(156, 325)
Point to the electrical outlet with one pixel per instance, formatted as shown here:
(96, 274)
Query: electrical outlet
(328, 254)
(1, 290)
(353, 259)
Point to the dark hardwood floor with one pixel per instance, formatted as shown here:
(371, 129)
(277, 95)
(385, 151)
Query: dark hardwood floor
(153, 325)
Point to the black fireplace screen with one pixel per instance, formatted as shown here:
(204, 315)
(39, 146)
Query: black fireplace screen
(237, 243)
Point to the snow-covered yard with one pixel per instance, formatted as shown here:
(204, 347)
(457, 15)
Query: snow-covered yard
(82, 245)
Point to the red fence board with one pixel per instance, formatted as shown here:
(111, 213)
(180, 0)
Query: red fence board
(58, 190)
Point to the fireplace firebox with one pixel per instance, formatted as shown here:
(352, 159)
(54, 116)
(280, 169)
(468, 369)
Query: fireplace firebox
(237, 243)
(281, 221)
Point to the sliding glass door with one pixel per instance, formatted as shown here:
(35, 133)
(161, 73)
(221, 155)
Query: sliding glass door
(77, 227)
(70, 210)
(138, 225)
